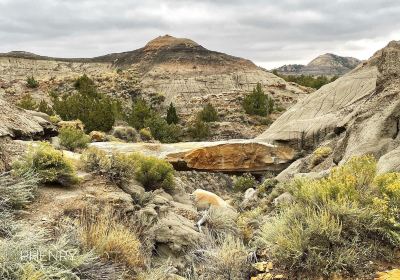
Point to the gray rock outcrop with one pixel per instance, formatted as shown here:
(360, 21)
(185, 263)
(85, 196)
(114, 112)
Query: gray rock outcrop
(360, 112)
(20, 124)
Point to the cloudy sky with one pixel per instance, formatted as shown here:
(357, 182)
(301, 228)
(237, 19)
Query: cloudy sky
(269, 32)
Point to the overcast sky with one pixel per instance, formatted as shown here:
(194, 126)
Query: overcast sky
(269, 32)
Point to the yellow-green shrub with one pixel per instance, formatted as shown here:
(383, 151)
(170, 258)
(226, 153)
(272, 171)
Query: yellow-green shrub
(145, 134)
(117, 167)
(73, 138)
(154, 173)
(94, 159)
(338, 223)
(55, 119)
(50, 165)
(320, 154)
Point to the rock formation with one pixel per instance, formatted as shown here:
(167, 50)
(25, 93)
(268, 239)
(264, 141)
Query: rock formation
(20, 124)
(222, 156)
(327, 64)
(357, 114)
(166, 70)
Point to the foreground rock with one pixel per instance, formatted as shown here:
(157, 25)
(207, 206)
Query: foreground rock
(357, 114)
(224, 156)
(21, 124)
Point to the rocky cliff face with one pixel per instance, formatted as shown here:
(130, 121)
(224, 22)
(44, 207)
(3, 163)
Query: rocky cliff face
(326, 64)
(166, 70)
(357, 114)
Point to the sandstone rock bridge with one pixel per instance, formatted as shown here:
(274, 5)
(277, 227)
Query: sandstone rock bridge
(253, 156)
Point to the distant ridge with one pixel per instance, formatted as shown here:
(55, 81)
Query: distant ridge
(327, 64)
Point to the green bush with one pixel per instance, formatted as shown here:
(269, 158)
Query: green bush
(117, 167)
(154, 173)
(162, 131)
(31, 82)
(73, 138)
(258, 103)
(50, 165)
(126, 133)
(27, 103)
(172, 116)
(199, 130)
(208, 113)
(242, 183)
(94, 109)
(139, 114)
(85, 84)
(337, 224)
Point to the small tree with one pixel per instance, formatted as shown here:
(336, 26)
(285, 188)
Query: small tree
(27, 102)
(172, 116)
(140, 112)
(96, 110)
(31, 82)
(86, 85)
(208, 114)
(258, 103)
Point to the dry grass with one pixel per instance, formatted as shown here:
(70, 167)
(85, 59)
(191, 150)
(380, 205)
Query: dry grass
(158, 273)
(224, 257)
(19, 256)
(108, 237)
(221, 221)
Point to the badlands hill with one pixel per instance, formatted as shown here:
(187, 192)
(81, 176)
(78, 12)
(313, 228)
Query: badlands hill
(165, 70)
(327, 64)
(357, 114)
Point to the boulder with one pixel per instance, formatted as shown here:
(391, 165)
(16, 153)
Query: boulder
(21, 124)
(285, 198)
(177, 232)
(389, 162)
(97, 136)
(77, 124)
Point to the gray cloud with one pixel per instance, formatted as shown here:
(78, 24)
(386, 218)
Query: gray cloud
(265, 31)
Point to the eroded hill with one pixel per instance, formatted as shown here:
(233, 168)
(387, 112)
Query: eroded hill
(324, 65)
(166, 70)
